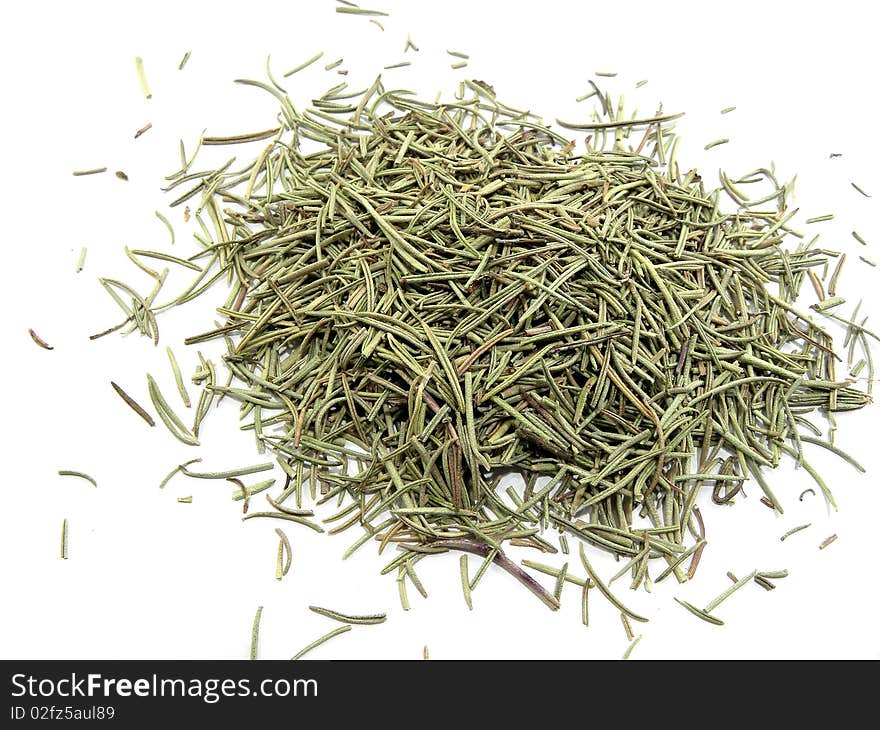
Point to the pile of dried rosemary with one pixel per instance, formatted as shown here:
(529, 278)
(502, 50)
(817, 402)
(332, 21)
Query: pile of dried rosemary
(425, 297)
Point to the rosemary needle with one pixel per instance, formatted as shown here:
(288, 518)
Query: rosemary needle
(79, 474)
(92, 171)
(305, 64)
(465, 582)
(176, 470)
(377, 618)
(285, 555)
(699, 613)
(793, 530)
(255, 633)
(326, 637)
(629, 649)
(603, 589)
(142, 77)
(178, 377)
(131, 403)
(64, 539)
(167, 224)
(40, 341)
(146, 127)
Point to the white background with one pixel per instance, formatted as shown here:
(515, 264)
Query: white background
(149, 577)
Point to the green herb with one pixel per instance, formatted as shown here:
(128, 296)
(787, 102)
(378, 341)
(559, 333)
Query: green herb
(183, 61)
(166, 257)
(585, 604)
(821, 218)
(175, 470)
(326, 637)
(774, 574)
(828, 303)
(64, 539)
(241, 471)
(723, 140)
(92, 171)
(305, 64)
(240, 138)
(421, 297)
(142, 77)
(168, 416)
(465, 582)
(484, 566)
(287, 510)
(793, 530)
(827, 541)
(255, 633)
(285, 555)
(178, 378)
(252, 490)
(603, 589)
(560, 582)
(185, 500)
(376, 618)
(700, 614)
(167, 224)
(620, 123)
(629, 649)
(284, 516)
(858, 189)
(358, 11)
(147, 126)
(401, 589)
(411, 574)
(835, 276)
(715, 602)
(627, 627)
(555, 572)
(242, 492)
(79, 474)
